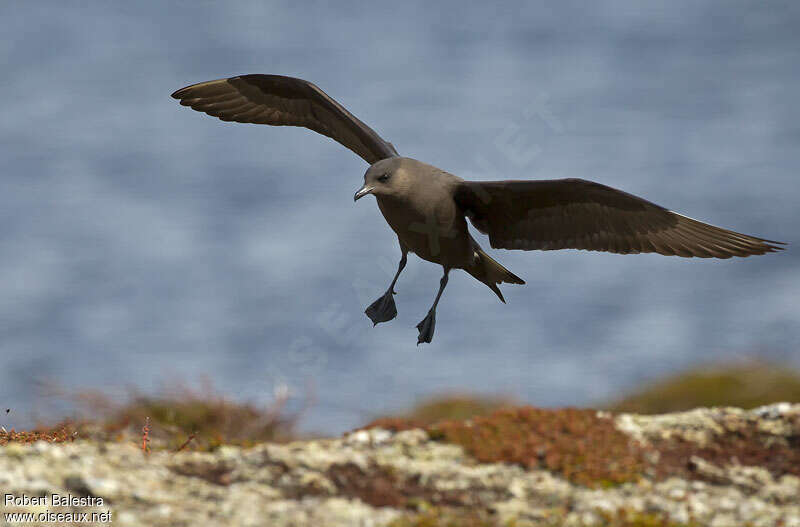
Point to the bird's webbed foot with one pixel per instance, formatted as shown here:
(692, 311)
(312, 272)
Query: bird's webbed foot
(426, 327)
(383, 309)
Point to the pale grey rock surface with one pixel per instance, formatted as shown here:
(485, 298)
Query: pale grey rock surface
(375, 477)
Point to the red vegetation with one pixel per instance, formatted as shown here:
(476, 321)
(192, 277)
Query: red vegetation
(146, 436)
(60, 433)
(186, 443)
(736, 445)
(587, 448)
(578, 444)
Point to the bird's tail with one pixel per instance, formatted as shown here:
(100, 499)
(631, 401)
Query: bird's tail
(491, 272)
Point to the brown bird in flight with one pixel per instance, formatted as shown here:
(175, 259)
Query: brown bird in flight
(428, 207)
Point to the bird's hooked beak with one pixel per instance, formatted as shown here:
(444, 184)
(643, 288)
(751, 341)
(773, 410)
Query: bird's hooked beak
(363, 191)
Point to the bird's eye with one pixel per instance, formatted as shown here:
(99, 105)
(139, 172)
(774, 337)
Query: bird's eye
(383, 178)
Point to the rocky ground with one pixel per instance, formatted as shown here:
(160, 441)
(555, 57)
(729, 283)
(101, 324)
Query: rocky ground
(719, 467)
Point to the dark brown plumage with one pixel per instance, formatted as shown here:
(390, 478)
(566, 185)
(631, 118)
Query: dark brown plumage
(427, 207)
(578, 214)
(285, 101)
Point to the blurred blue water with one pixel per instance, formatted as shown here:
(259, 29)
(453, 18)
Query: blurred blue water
(143, 242)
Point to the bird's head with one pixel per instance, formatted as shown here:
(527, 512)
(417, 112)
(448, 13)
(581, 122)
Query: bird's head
(384, 178)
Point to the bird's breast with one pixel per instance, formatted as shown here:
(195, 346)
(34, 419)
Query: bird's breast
(437, 234)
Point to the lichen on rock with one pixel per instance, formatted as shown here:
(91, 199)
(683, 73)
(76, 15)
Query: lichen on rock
(716, 466)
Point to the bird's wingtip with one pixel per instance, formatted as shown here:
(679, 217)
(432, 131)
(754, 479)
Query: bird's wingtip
(773, 246)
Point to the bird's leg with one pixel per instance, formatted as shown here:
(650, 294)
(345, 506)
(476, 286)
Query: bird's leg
(383, 309)
(428, 323)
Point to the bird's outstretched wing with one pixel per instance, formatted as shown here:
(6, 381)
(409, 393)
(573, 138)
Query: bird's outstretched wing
(579, 214)
(285, 101)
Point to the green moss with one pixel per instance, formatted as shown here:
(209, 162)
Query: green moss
(210, 419)
(641, 519)
(179, 417)
(455, 407)
(438, 517)
(746, 385)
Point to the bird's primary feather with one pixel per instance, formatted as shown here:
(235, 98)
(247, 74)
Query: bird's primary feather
(285, 101)
(579, 214)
